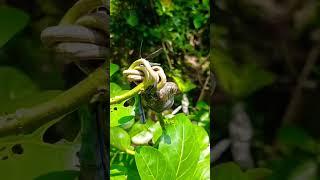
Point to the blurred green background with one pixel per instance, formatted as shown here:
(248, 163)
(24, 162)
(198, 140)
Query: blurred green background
(266, 105)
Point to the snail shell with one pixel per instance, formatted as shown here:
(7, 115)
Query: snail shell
(85, 40)
(162, 99)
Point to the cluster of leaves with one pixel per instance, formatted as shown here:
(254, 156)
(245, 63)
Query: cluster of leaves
(169, 21)
(156, 151)
(18, 152)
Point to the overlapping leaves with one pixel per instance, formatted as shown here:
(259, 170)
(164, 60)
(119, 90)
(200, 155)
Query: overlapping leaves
(18, 152)
(178, 152)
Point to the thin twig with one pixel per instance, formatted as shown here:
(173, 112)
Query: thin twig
(114, 157)
(167, 55)
(296, 97)
(203, 90)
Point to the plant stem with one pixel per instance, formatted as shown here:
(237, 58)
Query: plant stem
(28, 119)
(114, 157)
(131, 152)
(78, 9)
(136, 90)
(292, 110)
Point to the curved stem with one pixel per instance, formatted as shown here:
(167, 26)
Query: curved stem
(131, 152)
(28, 119)
(79, 8)
(136, 90)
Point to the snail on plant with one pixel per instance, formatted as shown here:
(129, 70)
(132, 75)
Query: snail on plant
(162, 99)
(159, 94)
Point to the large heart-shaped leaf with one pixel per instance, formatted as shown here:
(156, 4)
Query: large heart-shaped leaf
(152, 164)
(19, 152)
(181, 147)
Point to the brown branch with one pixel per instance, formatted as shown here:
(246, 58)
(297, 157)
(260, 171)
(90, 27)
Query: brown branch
(292, 109)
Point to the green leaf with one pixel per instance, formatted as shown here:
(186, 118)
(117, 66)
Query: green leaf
(115, 89)
(203, 142)
(119, 138)
(230, 171)
(294, 137)
(152, 164)
(202, 170)
(121, 114)
(180, 146)
(18, 152)
(15, 84)
(12, 21)
(132, 20)
(198, 21)
(166, 3)
(156, 130)
(137, 128)
(239, 81)
(113, 69)
(258, 173)
(184, 86)
(202, 105)
(118, 172)
(203, 167)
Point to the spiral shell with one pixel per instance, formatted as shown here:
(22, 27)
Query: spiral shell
(87, 39)
(162, 99)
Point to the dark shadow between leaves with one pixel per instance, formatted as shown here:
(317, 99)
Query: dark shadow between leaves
(125, 119)
(166, 138)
